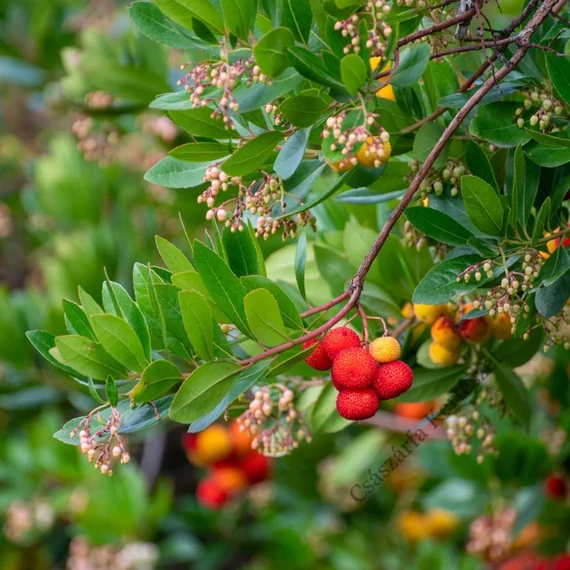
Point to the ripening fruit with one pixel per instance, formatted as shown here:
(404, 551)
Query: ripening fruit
(413, 410)
(374, 152)
(440, 523)
(386, 92)
(213, 444)
(501, 327)
(385, 349)
(392, 379)
(241, 440)
(256, 468)
(475, 331)
(230, 479)
(357, 405)
(553, 244)
(339, 339)
(353, 368)
(562, 562)
(210, 494)
(443, 356)
(412, 526)
(189, 445)
(430, 313)
(445, 333)
(343, 165)
(555, 487)
(407, 311)
(318, 359)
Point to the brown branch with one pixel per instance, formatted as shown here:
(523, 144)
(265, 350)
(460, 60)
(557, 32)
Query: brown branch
(326, 306)
(357, 283)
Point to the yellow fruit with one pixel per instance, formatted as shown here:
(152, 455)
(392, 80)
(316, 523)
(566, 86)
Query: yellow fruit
(374, 152)
(213, 444)
(425, 202)
(230, 479)
(386, 92)
(385, 349)
(445, 333)
(501, 327)
(430, 313)
(440, 523)
(475, 331)
(407, 311)
(443, 356)
(343, 165)
(412, 526)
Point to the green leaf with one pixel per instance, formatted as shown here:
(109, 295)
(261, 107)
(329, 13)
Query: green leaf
(43, 342)
(120, 341)
(77, 320)
(111, 391)
(548, 156)
(173, 173)
(334, 267)
(200, 123)
(198, 322)
(483, 206)
(517, 351)
(288, 310)
(495, 124)
(243, 255)
(155, 25)
(252, 154)
(324, 417)
(478, 162)
(514, 392)
(291, 155)
(551, 300)
(440, 283)
(557, 140)
(432, 383)
(541, 219)
(200, 151)
(204, 11)
(264, 317)
(303, 110)
(132, 419)
(556, 265)
(222, 285)
(411, 66)
(298, 17)
(173, 257)
(176, 12)
(157, 378)
(438, 225)
(90, 306)
(426, 138)
(283, 362)
(171, 317)
(353, 72)
(300, 261)
(87, 357)
(311, 67)
(202, 390)
(559, 72)
(525, 187)
(269, 51)
(239, 16)
(245, 380)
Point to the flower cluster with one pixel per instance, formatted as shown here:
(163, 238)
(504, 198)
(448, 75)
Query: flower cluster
(491, 535)
(259, 197)
(96, 142)
(538, 109)
(438, 178)
(274, 421)
(215, 83)
(24, 520)
(132, 556)
(367, 26)
(105, 444)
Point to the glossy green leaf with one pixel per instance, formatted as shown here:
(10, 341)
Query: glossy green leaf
(200, 151)
(311, 67)
(551, 300)
(478, 162)
(243, 255)
(548, 156)
(111, 391)
(43, 342)
(495, 124)
(252, 154)
(198, 322)
(291, 155)
(303, 110)
(426, 138)
(438, 225)
(483, 206)
(298, 17)
(514, 392)
(90, 306)
(353, 72)
(202, 390)
(269, 51)
(120, 341)
(239, 16)
(432, 383)
(324, 417)
(300, 262)
(77, 320)
(199, 122)
(174, 173)
(559, 73)
(205, 11)
(157, 378)
(541, 219)
(264, 317)
(515, 352)
(555, 266)
(173, 257)
(412, 65)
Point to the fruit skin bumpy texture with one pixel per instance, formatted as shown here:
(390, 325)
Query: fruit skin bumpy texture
(363, 376)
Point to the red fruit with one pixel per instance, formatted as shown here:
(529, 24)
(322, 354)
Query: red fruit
(353, 368)
(339, 339)
(357, 404)
(318, 358)
(562, 562)
(256, 468)
(210, 494)
(392, 379)
(555, 487)
(189, 441)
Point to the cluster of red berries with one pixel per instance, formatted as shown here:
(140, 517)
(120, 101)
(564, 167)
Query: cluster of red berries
(530, 560)
(362, 377)
(232, 465)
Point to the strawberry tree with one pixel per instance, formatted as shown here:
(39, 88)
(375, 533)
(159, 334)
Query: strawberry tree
(450, 128)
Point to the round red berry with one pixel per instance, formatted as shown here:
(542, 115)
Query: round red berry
(353, 368)
(357, 405)
(392, 379)
(339, 339)
(318, 359)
